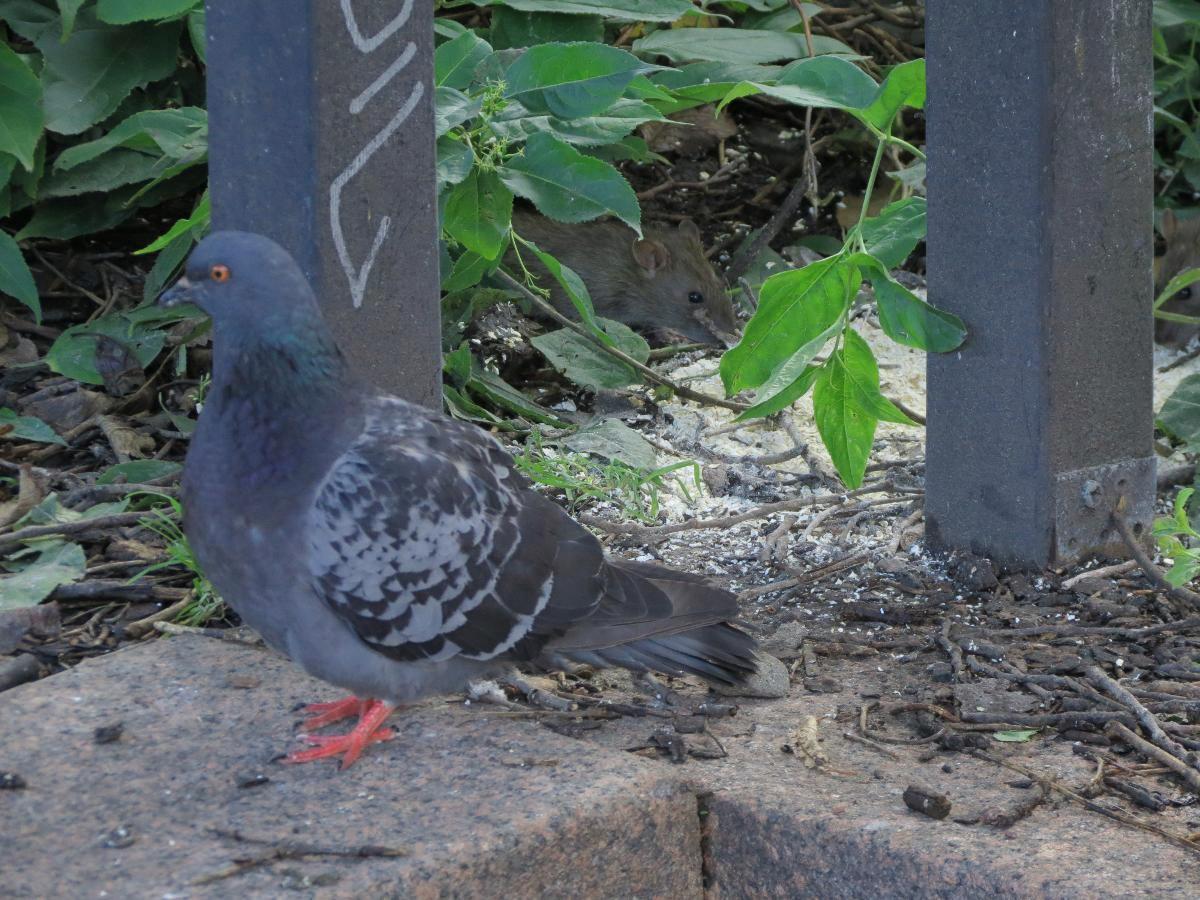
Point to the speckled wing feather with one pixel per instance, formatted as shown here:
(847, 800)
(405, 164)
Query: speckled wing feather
(429, 543)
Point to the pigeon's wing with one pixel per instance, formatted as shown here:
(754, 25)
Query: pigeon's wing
(425, 539)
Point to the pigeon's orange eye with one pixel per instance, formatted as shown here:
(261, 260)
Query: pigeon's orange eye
(219, 273)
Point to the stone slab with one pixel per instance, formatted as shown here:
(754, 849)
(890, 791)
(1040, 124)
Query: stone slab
(452, 789)
(494, 805)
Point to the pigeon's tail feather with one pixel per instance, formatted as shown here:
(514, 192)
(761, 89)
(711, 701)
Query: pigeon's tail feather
(657, 619)
(717, 653)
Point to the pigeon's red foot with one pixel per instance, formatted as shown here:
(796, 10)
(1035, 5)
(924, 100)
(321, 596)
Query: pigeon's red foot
(369, 730)
(322, 714)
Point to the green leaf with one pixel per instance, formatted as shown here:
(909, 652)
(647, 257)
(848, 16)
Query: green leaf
(735, 45)
(199, 220)
(613, 439)
(66, 218)
(774, 400)
(28, 428)
(571, 81)
(1175, 285)
(909, 320)
(452, 108)
(36, 580)
(824, 81)
(454, 160)
(114, 169)
(87, 76)
(628, 10)
(1170, 13)
(891, 236)
(468, 270)
(479, 212)
(904, 86)
(122, 12)
(511, 28)
(15, 278)
(1016, 735)
(568, 186)
(30, 19)
(1180, 415)
(498, 391)
(586, 364)
(707, 82)
(610, 126)
(844, 420)
(794, 308)
(170, 132)
(197, 25)
(573, 287)
(138, 471)
(68, 9)
(74, 352)
(20, 107)
(454, 62)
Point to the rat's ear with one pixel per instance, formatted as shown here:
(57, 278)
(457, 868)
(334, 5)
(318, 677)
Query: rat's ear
(688, 229)
(1169, 224)
(651, 255)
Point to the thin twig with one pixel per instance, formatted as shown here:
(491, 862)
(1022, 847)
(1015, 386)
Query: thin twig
(654, 531)
(1145, 718)
(1153, 572)
(83, 525)
(680, 390)
(1054, 785)
(1103, 572)
(1189, 775)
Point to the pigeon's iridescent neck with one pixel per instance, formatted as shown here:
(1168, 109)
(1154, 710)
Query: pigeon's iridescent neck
(274, 401)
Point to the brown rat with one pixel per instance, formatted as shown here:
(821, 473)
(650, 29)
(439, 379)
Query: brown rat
(660, 281)
(1183, 252)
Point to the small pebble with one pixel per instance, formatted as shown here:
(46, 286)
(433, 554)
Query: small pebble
(108, 734)
(11, 781)
(251, 779)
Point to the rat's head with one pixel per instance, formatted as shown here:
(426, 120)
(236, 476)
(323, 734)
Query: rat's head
(682, 291)
(1183, 252)
(246, 282)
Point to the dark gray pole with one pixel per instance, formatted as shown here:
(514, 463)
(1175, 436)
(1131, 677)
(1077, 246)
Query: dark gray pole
(1039, 140)
(321, 137)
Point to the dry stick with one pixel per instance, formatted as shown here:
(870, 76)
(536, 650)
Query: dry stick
(1144, 716)
(951, 649)
(624, 357)
(867, 742)
(893, 546)
(145, 626)
(749, 252)
(1153, 572)
(647, 531)
(1054, 785)
(99, 523)
(1189, 775)
(1084, 630)
(846, 562)
(1103, 572)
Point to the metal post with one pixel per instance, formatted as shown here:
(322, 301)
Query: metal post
(321, 137)
(1040, 237)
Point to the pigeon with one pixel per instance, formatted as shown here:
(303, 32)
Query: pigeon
(385, 548)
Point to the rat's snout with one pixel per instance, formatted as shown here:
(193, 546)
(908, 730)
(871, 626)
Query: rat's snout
(708, 330)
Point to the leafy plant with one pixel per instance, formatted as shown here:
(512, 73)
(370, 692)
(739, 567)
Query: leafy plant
(803, 311)
(1176, 106)
(580, 477)
(100, 116)
(164, 520)
(1178, 539)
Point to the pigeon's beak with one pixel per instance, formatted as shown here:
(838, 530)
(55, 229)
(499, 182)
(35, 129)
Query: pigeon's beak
(178, 294)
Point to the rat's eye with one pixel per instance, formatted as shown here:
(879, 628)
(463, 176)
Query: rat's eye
(219, 273)
(695, 297)
(1185, 294)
